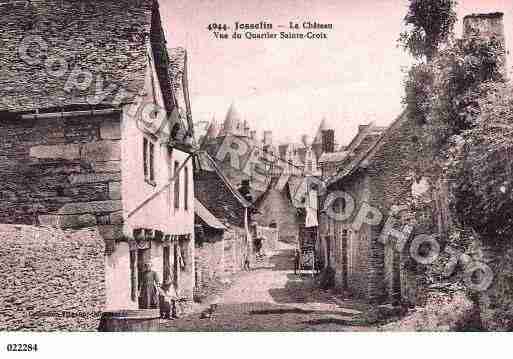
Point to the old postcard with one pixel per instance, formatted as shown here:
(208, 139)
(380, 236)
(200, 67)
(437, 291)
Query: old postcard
(256, 166)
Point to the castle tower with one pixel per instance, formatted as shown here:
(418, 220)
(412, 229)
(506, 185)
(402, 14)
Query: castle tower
(328, 141)
(317, 143)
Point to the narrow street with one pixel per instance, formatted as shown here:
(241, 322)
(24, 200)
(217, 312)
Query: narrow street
(272, 298)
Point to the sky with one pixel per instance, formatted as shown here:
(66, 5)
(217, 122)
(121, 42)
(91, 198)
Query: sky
(353, 77)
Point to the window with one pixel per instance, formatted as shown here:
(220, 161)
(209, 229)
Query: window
(177, 185)
(186, 189)
(149, 160)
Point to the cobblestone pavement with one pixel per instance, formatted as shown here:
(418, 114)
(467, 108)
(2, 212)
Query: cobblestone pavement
(272, 298)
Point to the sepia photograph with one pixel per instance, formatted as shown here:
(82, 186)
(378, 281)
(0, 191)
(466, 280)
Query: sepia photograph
(177, 166)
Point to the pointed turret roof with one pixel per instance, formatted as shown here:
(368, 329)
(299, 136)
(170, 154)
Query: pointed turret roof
(213, 130)
(322, 127)
(232, 119)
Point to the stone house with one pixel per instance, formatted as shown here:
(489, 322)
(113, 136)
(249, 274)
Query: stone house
(222, 224)
(355, 256)
(275, 207)
(383, 169)
(92, 133)
(282, 203)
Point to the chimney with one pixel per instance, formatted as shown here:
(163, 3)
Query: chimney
(328, 141)
(245, 128)
(487, 26)
(362, 128)
(268, 137)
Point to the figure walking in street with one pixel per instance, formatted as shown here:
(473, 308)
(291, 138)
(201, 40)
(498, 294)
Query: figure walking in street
(296, 261)
(246, 266)
(149, 288)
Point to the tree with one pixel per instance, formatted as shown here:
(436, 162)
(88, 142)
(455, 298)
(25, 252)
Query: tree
(459, 71)
(484, 193)
(432, 23)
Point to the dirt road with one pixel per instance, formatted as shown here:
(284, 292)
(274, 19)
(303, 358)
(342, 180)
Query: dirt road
(272, 298)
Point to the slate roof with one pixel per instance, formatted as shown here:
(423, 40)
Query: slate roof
(215, 168)
(217, 193)
(206, 216)
(177, 73)
(361, 148)
(106, 38)
(232, 118)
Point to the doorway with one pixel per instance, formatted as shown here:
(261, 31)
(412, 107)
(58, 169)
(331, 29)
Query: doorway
(143, 257)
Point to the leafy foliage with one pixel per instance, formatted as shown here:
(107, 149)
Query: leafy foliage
(466, 109)
(431, 23)
(418, 86)
(484, 197)
(458, 73)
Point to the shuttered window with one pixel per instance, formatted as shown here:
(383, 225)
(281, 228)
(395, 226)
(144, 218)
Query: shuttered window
(149, 160)
(177, 185)
(186, 189)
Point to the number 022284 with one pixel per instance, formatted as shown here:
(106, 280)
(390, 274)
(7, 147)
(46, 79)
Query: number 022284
(21, 347)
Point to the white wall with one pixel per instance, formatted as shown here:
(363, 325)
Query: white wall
(117, 279)
(159, 213)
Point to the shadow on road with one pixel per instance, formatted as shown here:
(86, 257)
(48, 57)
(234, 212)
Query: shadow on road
(298, 288)
(261, 316)
(282, 260)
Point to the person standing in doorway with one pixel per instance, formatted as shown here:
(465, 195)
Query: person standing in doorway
(149, 289)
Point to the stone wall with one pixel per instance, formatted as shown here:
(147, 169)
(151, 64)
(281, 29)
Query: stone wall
(52, 280)
(235, 247)
(209, 259)
(221, 253)
(62, 172)
(395, 163)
